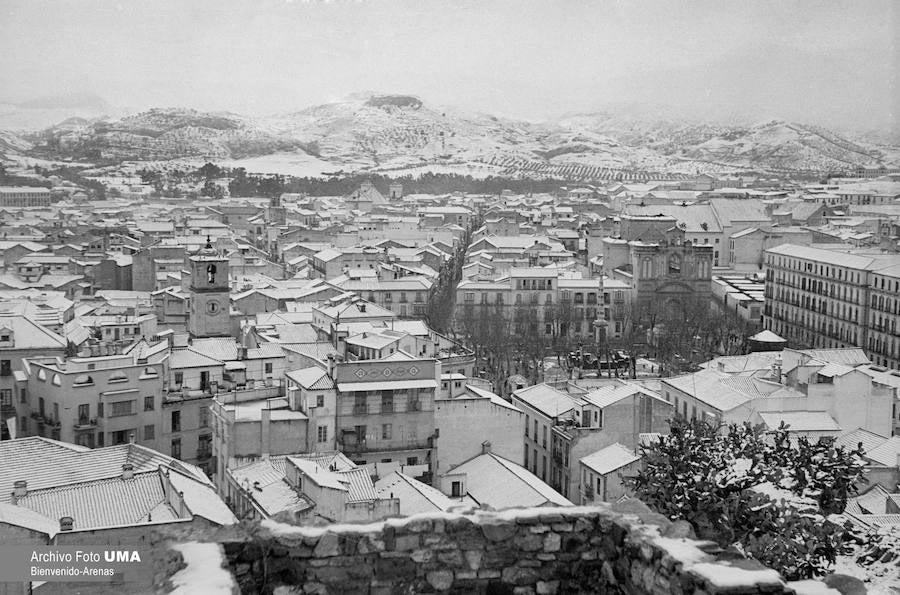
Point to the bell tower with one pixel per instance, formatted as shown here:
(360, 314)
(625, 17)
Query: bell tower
(210, 294)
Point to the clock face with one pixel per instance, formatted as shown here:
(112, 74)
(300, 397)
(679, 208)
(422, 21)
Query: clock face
(212, 307)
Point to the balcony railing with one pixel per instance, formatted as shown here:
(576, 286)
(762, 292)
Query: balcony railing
(85, 423)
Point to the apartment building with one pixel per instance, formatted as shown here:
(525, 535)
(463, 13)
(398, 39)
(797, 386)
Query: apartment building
(98, 401)
(25, 196)
(829, 298)
(561, 429)
(557, 303)
(21, 338)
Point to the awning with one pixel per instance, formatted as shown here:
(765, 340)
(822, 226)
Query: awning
(235, 366)
(387, 384)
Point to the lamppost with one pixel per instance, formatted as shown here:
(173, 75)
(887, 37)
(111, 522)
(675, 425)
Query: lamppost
(600, 325)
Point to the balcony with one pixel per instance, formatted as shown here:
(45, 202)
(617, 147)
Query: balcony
(85, 423)
(350, 444)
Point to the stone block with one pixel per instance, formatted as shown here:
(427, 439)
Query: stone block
(562, 527)
(422, 556)
(498, 531)
(552, 542)
(405, 543)
(394, 567)
(451, 558)
(539, 529)
(680, 529)
(329, 545)
(440, 580)
(419, 526)
(488, 573)
(546, 587)
(529, 542)
(517, 575)
(473, 558)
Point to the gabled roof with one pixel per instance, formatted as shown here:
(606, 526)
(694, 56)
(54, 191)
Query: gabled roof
(546, 399)
(312, 378)
(51, 463)
(500, 483)
(886, 452)
(609, 459)
(424, 497)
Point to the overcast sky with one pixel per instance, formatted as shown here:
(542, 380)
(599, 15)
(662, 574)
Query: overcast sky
(831, 62)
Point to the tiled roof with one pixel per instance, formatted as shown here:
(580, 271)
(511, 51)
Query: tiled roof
(100, 503)
(546, 399)
(312, 378)
(51, 464)
(268, 488)
(801, 421)
(189, 358)
(886, 452)
(869, 440)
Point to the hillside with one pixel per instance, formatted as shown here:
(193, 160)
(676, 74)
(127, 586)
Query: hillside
(402, 134)
(162, 134)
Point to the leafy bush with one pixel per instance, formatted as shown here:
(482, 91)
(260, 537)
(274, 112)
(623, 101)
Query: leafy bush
(763, 494)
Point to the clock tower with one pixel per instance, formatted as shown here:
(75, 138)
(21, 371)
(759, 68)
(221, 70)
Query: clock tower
(210, 294)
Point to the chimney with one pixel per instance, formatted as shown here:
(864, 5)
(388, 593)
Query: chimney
(127, 471)
(362, 307)
(20, 489)
(242, 353)
(331, 365)
(486, 447)
(721, 366)
(776, 368)
(66, 523)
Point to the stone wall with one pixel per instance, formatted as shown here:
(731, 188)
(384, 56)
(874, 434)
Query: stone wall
(598, 549)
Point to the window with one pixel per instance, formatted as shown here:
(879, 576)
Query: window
(122, 408)
(149, 432)
(527, 421)
(268, 367)
(6, 397)
(179, 378)
(526, 456)
(100, 409)
(322, 434)
(121, 437)
(412, 460)
(83, 380)
(176, 421)
(386, 431)
(544, 437)
(204, 417)
(84, 414)
(23, 395)
(149, 404)
(387, 401)
(176, 448)
(535, 430)
(5, 367)
(320, 400)
(456, 489)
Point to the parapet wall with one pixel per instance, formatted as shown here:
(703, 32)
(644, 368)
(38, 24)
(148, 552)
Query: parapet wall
(546, 550)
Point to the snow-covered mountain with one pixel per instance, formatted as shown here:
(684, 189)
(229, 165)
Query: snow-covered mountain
(402, 134)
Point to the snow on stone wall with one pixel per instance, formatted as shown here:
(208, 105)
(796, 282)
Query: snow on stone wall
(600, 549)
